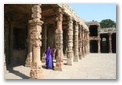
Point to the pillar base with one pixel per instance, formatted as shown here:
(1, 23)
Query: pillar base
(36, 74)
(69, 62)
(75, 60)
(59, 62)
(80, 57)
(58, 68)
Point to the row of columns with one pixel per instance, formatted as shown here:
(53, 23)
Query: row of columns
(35, 42)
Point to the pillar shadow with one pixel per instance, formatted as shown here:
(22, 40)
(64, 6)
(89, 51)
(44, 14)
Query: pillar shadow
(17, 73)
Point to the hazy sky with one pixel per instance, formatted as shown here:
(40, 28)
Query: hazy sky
(96, 12)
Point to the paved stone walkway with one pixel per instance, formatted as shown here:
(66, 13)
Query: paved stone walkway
(93, 66)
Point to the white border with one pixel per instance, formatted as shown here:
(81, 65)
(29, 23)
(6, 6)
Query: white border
(57, 82)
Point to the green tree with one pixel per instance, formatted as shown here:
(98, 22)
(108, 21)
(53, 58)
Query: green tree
(106, 23)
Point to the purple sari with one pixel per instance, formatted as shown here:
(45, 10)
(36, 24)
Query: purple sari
(49, 59)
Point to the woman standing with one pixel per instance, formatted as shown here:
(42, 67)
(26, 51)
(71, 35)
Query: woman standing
(49, 59)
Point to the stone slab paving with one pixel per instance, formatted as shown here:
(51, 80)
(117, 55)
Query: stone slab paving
(93, 66)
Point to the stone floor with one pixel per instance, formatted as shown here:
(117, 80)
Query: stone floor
(93, 66)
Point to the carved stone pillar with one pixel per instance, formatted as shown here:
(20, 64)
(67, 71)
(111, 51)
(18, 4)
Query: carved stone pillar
(99, 43)
(87, 42)
(35, 37)
(83, 53)
(70, 42)
(44, 43)
(76, 55)
(80, 42)
(59, 40)
(110, 43)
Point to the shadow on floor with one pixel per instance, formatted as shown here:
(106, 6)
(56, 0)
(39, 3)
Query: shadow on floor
(17, 73)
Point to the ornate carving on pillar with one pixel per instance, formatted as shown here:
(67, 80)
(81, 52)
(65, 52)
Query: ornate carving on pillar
(59, 40)
(70, 42)
(83, 54)
(35, 37)
(84, 42)
(80, 42)
(76, 55)
(110, 43)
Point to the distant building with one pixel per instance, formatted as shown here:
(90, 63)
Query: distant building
(102, 40)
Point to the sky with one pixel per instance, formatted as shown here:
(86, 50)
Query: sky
(97, 12)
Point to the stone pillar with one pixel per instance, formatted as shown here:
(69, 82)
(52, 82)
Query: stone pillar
(76, 43)
(59, 40)
(80, 42)
(35, 37)
(44, 43)
(83, 54)
(110, 43)
(70, 42)
(85, 42)
(99, 43)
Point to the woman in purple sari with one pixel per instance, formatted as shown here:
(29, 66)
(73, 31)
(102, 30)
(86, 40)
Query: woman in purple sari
(49, 59)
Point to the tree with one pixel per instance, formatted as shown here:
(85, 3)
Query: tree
(106, 23)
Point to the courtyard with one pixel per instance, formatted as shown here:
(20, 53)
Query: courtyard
(92, 66)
